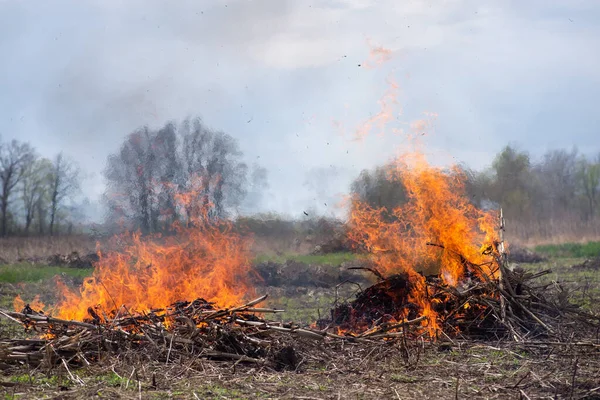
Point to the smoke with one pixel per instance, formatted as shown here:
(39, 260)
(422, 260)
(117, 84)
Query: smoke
(80, 76)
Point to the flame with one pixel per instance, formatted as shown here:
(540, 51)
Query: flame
(386, 114)
(436, 228)
(36, 304)
(205, 259)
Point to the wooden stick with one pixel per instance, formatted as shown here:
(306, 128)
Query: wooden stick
(501, 266)
(50, 320)
(231, 356)
(385, 328)
(300, 332)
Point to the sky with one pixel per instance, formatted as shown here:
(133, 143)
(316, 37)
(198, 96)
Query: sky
(299, 82)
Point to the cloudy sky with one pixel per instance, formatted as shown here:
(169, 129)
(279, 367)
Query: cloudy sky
(297, 81)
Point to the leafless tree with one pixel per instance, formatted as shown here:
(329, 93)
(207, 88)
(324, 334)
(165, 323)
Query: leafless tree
(129, 175)
(64, 182)
(34, 189)
(557, 178)
(214, 158)
(154, 166)
(14, 158)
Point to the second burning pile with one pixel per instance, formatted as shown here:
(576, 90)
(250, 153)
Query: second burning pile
(441, 260)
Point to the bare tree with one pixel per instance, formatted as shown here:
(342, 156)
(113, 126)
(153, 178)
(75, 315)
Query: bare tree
(215, 159)
(14, 157)
(154, 167)
(34, 189)
(556, 176)
(64, 182)
(168, 174)
(41, 214)
(134, 179)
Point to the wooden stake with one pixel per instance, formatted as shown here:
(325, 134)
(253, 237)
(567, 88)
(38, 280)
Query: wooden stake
(501, 266)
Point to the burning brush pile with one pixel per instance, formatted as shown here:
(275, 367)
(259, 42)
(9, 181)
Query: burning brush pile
(443, 270)
(183, 329)
(135, 304)
(440, 262)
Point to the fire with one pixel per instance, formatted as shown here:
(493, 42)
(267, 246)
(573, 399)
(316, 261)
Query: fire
(36, 304)
(197, 263)
(386, 114)
(437, 228)
(204, 259)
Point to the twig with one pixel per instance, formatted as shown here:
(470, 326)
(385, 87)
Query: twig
(300, 332)
(70, 374)
(219, 354)
(574, 377)
(170, 347)
(372, 270)
(524, 395)
(50, 320)
(457, 385)
(388, 327)
(521, 380)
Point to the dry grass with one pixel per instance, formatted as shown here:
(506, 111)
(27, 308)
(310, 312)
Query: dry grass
(13, 249)
(393, 370)
(540, 232)
(281, 245)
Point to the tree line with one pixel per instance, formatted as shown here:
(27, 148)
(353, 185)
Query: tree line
(155, 168)
(35, 192)
(562, 185)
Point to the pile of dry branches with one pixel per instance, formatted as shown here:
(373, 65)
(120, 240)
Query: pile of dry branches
(182, 330)
(507, 305)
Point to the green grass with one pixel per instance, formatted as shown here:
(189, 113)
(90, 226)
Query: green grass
(585, 250)
(323, 259)
(15, 273)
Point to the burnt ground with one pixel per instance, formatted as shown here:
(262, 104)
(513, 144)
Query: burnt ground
(401, 369)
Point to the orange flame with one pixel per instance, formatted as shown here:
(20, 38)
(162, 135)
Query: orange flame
(437, 212)
(36, 304)
(384, 116)
(205, 259)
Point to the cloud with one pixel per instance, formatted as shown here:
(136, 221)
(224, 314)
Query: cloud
(80, 75)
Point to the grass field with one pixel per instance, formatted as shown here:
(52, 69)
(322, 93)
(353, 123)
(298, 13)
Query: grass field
(405, 371)
(20, 273)
(322, 259)
(588, 249)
